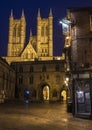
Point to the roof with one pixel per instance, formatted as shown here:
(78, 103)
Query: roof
(76, 9)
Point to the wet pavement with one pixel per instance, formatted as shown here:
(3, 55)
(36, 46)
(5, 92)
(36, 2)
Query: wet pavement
(37, 116)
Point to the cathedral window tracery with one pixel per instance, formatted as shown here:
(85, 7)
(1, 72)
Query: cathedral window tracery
(47, 30)
(42, 31)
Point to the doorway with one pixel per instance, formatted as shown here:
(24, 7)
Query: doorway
(46, 93)
(63, 95)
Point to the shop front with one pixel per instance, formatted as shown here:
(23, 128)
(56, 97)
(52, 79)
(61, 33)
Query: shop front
(82, 94)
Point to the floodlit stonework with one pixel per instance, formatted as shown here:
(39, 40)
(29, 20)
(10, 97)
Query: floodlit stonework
(39, 47)
(7, 81)
(40, 76)
(40, 80)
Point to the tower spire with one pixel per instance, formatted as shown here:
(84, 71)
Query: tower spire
(22, 13)
(11, 13)
(50, 14)
(30, 33)
(39, 13)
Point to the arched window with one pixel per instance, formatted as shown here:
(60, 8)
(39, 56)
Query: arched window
(14, 31)
(42, 31)
(47, 30)
(19, 31)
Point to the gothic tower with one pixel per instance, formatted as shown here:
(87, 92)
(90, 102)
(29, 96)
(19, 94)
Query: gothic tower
(17, 34)
(45, 35)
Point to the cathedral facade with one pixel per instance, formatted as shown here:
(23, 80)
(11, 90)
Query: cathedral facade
(39, 75)
(39, 47)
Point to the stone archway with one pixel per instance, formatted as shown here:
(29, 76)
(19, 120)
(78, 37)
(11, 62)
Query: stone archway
(63, 95)
(46, 93)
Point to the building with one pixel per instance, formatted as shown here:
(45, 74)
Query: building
(7, 81)
(77, 28)
(40, 80)
(39, 47)
(39, 75)
(81, 35)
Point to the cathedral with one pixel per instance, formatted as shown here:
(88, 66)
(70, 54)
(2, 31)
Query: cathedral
(39, 76)
(39, 47)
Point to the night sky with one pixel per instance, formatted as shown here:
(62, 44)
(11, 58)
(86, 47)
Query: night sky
(30, 9)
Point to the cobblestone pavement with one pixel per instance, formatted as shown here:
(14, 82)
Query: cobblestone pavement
(21, 116)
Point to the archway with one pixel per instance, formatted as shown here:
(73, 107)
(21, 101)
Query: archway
(45, 92)
(63, 95)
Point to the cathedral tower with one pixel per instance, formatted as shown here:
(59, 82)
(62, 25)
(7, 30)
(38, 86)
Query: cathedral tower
(45, 35)
(17, 34)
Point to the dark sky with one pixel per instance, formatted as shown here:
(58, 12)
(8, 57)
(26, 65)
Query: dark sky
(30, 9)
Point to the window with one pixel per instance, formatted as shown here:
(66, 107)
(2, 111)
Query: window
(31, 69)
(20, 80)
(57, 68)
(20, 69)
(31, 79)
(14, 31)
(42, 31)
(19, 31)
(47, 76)
(47, 31)
(90, 22)
(44, 68)
(58, 79)
(90, 46)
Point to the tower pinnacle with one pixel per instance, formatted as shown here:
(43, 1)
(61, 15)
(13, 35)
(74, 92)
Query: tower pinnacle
(22, 13)
(39, 13)
(50, 14)
(11, 13)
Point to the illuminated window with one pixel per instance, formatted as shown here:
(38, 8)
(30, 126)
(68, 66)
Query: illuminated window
(90, 22)
(14, 31)
(47, 31)
(18, 30)
(42, 31)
